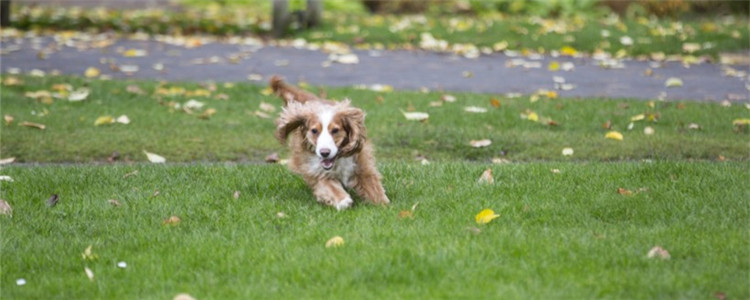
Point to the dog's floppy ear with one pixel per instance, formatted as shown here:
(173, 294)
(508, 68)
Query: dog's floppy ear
(291, 118)
(289, 93)
(353, 120)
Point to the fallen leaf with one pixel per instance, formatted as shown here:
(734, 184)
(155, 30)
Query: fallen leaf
(33, 125)
(236, 195)
(6, 161)
(281, 215)
(448, 98)
(135, 53)
(555, 171)
(480, 143)
(495, 103)
(614, 135)
(122, 265)
(624, 192)
(486, 177)
(135, 172)
(272, 158)
(405, 214)
(348, 59)
(694, 126)
(6, 178)
(89, 273)
(129, 68)
(637, 118)
(52, 201)
(415, 116)
(134, 89)
(532, 116)
(21, 281)
(261, 114)
(673, 82)
(113, 202)
(173, 221)
(88, 254)
(741, 122)
(658, 252)
(567, 151)
(123, 119)
(193, 104)
(5, 208)
(207, 114)
(335, 241)
(154, 158)
(104, 120)
(78, 95)
(8, 119)
(607, 125)
(720, 295)
(91, 72)
(473, 230)
(475, 109)
(626, 40)
(485, 216)
(648, 130)
(553, 66)
(267, 107)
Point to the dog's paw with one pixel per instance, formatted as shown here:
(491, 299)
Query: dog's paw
(344, 203)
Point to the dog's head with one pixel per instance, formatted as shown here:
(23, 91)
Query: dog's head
(329, 129)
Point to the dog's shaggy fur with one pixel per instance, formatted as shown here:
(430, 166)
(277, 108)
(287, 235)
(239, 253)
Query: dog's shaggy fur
(329, 146)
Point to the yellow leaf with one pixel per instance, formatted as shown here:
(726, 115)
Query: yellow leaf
(104, 120)
(673, 82)
(741, 122)
(415, 116)
(134, 53)
(8, 119)
(154, 158)
(568, 51)
(637, 117)
(173, 220)
(658, 252)
(551, 94)
(532, 116)
(267, 91)
(485, 216)
(335, 241)
(88, 254)
(553, 66)
(567, 151)
(91, 72)
(495, 103)
(614, 135)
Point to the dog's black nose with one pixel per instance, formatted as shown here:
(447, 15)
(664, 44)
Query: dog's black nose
(324, 152)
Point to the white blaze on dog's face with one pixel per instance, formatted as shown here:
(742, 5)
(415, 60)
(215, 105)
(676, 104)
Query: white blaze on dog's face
(325, 133)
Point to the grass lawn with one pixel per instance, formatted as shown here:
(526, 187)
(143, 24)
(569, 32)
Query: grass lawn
(682, 130)
(564, 235)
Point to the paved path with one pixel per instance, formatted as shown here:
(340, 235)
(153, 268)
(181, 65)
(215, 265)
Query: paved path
(411, 70)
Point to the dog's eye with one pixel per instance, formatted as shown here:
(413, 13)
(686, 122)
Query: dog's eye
(314, 131)
(334, 131)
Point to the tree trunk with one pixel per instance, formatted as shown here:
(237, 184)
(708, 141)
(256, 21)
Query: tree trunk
(4, 13)
(280, 17)
(313, 12)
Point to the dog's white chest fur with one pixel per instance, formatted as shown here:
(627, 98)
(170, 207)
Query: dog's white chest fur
(343, 170)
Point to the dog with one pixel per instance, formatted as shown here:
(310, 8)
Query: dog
(329, 146)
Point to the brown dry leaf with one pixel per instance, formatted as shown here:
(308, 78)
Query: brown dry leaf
(6, 161)
(480, 143)
(236, 195)
(405, 214)
(8, 119)
(156, 193)
(113, 202)
(473, 230)
(5, 208)
(658, 252)
(33, 125)
(135, 172)
(91, 72)
(267, 107)
(173, 220)
(261, 114)
(272, 158)
(207, 114)
(113, 157)
(495, 103)
(624, 192)
(487, 177)
(183, 296)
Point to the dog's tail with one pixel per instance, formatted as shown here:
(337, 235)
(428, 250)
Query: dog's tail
(289, 93)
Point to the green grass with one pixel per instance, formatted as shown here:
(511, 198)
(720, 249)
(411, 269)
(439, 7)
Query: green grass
(568, 235)
(234, 133)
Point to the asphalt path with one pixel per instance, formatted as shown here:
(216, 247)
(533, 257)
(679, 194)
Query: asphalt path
(496, 73)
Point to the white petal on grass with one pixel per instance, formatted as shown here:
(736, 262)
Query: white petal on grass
(194, 104)
(480, 143)
(78, 95)
(567, 151)
(155, 158)
(475, 109)
(416, 116)
(6, 178)
(89, 273)
(123, 119)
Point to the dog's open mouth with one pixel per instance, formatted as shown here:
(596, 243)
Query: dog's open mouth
(327, 163)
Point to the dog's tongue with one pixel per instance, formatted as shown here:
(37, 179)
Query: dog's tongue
(327, 163)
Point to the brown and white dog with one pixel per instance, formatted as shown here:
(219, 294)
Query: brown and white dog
(329, 146)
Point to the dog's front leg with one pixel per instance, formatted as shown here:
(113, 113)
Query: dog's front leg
(330, 192)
